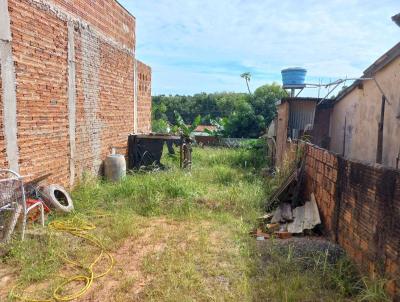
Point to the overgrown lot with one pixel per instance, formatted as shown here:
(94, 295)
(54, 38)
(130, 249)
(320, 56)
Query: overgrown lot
(181, 236)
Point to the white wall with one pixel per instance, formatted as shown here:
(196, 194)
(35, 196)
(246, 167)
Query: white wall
(362, 108)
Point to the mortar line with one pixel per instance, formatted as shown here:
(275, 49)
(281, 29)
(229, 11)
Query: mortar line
(71, 100)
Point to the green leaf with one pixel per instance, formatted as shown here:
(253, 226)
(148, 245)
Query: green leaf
(196, 123)
(208, 131)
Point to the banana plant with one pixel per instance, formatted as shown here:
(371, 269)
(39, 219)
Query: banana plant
(186, 130)
(219, 125)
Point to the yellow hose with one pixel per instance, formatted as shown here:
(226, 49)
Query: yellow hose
(81, 229)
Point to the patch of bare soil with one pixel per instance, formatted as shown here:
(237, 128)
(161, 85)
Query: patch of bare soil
(7, 281)
(126, 281)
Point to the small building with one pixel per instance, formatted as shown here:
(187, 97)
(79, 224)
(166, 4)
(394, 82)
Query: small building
(301, 118)
(201, 130)
(362, 123)
(202, 137)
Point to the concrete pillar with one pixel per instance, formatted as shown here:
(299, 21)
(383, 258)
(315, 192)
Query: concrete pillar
(9, 95)
(5, 30)
(71, 100)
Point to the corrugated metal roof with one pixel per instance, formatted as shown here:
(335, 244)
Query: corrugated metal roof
(301, 99)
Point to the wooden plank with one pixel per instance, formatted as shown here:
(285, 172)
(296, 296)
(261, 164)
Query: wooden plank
(281, 132)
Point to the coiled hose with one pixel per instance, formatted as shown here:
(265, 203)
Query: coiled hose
(80, 229)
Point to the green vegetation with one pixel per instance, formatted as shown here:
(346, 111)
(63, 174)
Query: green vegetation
(286, 273)
(183, 236)
(183, 128)
(243, 115)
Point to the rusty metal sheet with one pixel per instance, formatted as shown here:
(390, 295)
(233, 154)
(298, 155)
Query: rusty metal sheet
(302, 113)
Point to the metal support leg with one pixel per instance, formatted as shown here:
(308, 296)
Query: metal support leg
(24, 217)
(41, 214)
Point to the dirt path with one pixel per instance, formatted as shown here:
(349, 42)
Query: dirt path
(7, 281)
(127, 280)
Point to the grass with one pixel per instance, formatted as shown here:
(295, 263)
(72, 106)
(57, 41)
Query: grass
(284, 275)
(192, 230)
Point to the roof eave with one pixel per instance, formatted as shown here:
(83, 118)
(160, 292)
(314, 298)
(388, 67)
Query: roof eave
(384, 60)
(301, 99)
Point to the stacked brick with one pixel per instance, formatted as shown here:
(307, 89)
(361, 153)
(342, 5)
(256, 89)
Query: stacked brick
(103, 38)
(360, 208)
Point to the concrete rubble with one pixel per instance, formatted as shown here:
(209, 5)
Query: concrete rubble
(285, 221)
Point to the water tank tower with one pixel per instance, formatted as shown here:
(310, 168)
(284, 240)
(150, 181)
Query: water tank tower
(294, 78)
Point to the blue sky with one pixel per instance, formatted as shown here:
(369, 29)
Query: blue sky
(204, 45)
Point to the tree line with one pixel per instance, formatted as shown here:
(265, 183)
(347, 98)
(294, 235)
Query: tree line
(239, 114)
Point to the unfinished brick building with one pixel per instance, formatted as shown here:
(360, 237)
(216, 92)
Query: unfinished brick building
(71, 87)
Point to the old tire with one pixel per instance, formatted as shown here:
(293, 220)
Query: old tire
(57, 198)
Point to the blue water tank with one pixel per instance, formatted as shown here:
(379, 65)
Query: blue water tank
(294, 77)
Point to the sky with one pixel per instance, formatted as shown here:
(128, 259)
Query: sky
(198, 46)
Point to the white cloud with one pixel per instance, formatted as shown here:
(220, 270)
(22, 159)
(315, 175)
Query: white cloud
(203, 45)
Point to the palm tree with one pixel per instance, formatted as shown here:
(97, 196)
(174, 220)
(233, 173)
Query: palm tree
(247, 77)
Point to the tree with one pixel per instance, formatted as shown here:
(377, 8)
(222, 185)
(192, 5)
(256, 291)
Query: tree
(264, 101)
(243, 122)
(247, 77)
(243, 115)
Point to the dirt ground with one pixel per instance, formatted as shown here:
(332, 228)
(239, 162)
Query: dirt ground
(126, 281)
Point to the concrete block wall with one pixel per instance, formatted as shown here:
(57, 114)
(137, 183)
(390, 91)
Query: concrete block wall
(360, 208)
(74, 67)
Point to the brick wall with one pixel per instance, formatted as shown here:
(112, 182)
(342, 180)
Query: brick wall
(360, 209)
(101, 35)
(107, 16)
(40, 57)
(105, 100)
(144, 97)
